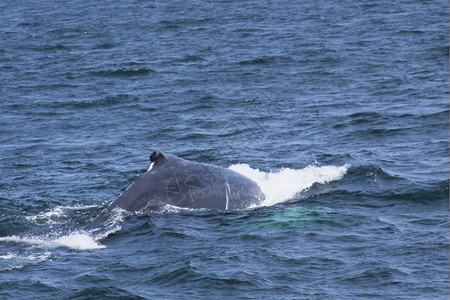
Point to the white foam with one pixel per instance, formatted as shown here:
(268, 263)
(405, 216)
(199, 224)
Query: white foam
(12, 261)
(30, 257)
(78, 241)
(75, 240)
(50, 217)
(168, 208)
(284, 184)
(112, 224)
(46, 216)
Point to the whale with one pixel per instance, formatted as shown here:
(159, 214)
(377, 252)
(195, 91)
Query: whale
(183, 183)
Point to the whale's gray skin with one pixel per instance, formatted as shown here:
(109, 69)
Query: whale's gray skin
(179, 182)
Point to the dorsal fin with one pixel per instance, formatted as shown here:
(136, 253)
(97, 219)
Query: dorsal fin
(157, 157)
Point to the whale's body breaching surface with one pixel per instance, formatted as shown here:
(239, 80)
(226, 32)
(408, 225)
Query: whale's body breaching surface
(179, 182)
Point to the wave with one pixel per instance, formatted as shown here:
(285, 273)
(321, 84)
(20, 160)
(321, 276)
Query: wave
(57, 215)
(124, 72)
(77, 240)
(432, 193)
(265, 60)
(110, 225)
(56, 237)
(14, 260)
(108, 101)
(45, 48)
(283, 185)
(189, 59)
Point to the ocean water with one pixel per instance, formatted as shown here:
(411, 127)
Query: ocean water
(339, 110)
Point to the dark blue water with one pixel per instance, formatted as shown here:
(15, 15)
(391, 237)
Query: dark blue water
(339, 108)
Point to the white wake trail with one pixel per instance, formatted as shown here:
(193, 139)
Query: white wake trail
(284, 184)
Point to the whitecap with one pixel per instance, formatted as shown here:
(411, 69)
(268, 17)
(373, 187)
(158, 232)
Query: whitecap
(52, 216)
(283, 185)
(77, 240)
(13, 260)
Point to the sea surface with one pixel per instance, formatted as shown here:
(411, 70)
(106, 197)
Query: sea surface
(339, 110)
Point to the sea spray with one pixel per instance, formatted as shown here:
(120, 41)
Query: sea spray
(77, 240)
(284, 184)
